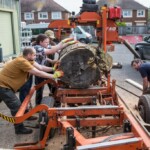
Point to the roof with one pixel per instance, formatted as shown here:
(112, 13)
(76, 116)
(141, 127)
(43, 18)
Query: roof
(41, 5)
(124, 4)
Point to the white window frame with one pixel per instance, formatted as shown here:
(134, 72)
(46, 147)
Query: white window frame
(127, 11)
(42, 15)
(128, 23)
(30, 16)
(139, 11)
(140, 24)
(56, 15)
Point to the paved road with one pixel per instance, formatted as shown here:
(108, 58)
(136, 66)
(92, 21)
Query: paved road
(122, 55)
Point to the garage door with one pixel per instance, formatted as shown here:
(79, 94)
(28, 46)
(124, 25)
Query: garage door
(6, 36)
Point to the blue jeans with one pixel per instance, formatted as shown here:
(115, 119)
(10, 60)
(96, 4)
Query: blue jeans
(24, 90)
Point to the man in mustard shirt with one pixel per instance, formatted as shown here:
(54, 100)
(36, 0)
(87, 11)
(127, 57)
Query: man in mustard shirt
(14, 75)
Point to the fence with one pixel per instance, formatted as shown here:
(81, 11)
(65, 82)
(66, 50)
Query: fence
(134, 30)
(26, 36)
(127, 30)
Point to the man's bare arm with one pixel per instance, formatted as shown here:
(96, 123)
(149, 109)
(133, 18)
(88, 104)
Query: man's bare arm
(40, 73)
(59, 46)
(145, 84)
(42, 67)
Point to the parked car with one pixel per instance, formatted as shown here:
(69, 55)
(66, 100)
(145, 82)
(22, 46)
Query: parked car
(143, 48)
(147, 39)
(81, 35)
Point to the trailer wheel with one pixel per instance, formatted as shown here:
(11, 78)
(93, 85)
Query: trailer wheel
(43, 117)
(144, 107)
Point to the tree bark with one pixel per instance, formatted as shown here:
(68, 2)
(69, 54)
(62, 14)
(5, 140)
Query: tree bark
(79, 62)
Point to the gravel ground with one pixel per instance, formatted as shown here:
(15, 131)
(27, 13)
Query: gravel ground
(122, 55)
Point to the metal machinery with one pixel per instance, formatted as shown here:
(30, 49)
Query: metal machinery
(103, 21)
(102, 106)
(103, 109)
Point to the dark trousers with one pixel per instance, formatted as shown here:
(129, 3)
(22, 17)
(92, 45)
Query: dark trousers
(24, 90)
(11, 100)
(39, 92)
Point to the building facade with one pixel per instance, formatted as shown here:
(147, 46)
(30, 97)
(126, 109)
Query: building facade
(133, 13)
(9, 27)
(37, 11)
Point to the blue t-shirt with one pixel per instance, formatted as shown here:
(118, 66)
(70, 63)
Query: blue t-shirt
(145, 70)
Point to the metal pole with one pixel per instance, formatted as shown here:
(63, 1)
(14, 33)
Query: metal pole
(1, 54)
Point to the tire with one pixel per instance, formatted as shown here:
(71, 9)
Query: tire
(144, 107)
(83, 41)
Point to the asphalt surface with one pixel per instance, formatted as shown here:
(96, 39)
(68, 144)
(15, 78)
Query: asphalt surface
(122, 55)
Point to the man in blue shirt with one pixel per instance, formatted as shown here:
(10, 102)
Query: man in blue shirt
(144, 69)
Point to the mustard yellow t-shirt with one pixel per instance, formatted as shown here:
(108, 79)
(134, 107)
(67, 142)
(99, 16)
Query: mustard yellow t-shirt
(15, 73)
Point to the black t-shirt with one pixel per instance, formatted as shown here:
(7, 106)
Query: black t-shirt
(145, 70)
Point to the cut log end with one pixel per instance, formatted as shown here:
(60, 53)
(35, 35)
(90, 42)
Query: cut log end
(79, 64)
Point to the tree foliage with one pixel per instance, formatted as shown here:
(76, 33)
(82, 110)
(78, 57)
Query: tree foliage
(121, 24)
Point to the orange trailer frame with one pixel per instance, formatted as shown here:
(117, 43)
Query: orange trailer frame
(113, 114)
(110, 111)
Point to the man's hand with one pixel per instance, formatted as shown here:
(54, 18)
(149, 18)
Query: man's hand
(58, 74)
(55, 67)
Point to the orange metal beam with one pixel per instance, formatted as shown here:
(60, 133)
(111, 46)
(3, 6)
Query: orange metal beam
(96, 122)
(60, 24)
(81, 111)
(104, 26)
(77, 100)
(89, 92)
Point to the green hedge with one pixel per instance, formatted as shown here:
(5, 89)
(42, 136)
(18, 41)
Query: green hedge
(121, 24)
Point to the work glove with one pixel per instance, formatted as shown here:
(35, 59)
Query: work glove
(58, 74)
(56, 66)
(66, 42)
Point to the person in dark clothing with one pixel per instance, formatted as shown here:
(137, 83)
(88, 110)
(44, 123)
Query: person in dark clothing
(51, 58)
(144, 69)
(43, 49)
(24, 90)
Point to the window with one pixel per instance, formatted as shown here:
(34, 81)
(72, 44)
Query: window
(42, 15)
(127, 13)
(140, 13)
(56, 15)
(128, 23)
(140, 24)
(28, 16)
(77, 30)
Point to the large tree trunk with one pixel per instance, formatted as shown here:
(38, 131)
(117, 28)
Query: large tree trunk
(79, 62)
